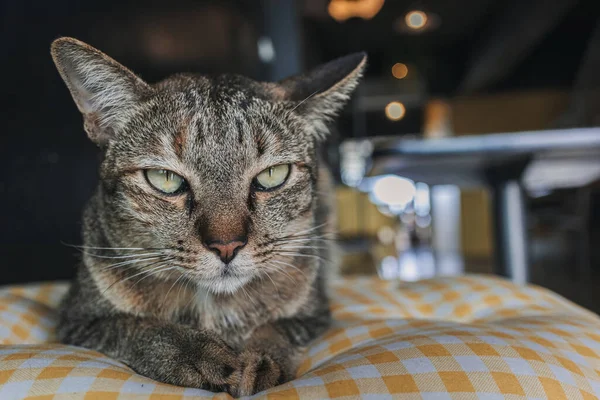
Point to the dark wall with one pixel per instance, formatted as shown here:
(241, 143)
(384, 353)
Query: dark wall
(48, 165)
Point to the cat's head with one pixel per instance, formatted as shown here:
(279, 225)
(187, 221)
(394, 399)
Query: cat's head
(218, 173)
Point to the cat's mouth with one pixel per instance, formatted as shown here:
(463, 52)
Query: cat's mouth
(225, 284)
(228, 272)
(226, 278)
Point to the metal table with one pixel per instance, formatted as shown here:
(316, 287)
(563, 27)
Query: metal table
(497, 161)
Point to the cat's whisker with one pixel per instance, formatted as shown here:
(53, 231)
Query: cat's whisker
(305, 237)
(250, 299)
(311, 229)
(300, 242)
(296, 254)
(190, 301)
(283, 263)
(113, 248)
(129, 262)
(146, 271)
(124, 256)
(186, 280)
(273, 282)
(155, 271)
(302, 247)
(169, 291)
(287, 265)
(317, 235)
(305, 234)
(206, 296)
(137, 274)
(281, 270)
(295, 240)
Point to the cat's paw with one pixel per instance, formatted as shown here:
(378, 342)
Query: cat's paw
(212, 365)
(195, 360)
(260, 371)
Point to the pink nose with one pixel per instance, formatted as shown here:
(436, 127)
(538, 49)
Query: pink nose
(226, 251)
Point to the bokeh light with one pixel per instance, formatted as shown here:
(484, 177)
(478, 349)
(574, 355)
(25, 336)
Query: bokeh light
(395, 111)
(399, 71)
(341, 10)
(393, 190)
(416, 19)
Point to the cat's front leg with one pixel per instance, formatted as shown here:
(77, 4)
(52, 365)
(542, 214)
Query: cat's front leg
(274, 351)
(163, 351)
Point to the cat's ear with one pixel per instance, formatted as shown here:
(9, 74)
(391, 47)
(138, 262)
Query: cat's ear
(321, 93)
(105, 91)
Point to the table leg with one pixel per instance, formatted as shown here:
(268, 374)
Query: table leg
(510, 231)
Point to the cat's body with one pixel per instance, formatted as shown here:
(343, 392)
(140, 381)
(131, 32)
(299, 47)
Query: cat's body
(219, 283)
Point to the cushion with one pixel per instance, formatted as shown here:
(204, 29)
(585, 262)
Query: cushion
(470, 337)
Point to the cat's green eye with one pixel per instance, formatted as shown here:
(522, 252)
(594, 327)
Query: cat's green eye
(272, 177)
(164, 180)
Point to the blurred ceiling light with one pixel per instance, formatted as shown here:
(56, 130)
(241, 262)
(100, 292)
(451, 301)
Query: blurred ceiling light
(399, 71)
(393, 190)
(408, 268)
(353, 161)
(551, 173)
(397, 209)
(385, 211)
(423, 221)
(395, 111)
(407, 218)
(416, 19)
(422, 200)
(389, 268)
(341, 10)
(386, 235)
(266, 50)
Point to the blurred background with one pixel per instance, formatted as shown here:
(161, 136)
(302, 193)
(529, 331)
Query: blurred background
(470, 147)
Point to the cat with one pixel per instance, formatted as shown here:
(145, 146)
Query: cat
(205, 243)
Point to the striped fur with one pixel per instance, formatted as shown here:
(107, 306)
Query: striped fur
(148, 292)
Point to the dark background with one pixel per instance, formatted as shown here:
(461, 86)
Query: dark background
(49, 167)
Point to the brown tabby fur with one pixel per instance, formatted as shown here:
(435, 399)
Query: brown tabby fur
(149, 292)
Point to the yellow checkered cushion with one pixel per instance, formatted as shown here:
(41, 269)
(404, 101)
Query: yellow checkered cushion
(469, 337)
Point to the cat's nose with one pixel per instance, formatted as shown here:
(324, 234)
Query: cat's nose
(226, 251)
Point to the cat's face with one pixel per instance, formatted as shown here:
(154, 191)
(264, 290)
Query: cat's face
(218, 173)
(226, 224)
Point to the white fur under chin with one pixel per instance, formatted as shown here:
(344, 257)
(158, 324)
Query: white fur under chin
(225, 285)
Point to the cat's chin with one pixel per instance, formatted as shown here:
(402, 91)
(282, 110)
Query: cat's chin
(225, 285)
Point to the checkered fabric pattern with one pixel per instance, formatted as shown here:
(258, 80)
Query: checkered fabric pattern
(470, 337)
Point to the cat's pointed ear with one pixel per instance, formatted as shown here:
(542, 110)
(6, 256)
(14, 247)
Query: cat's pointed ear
(105, 91)
(321, 93)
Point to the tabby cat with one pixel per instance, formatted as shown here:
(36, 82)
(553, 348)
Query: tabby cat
(205, 243)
